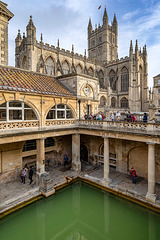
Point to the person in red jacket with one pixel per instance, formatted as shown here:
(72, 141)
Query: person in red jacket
(133, 173)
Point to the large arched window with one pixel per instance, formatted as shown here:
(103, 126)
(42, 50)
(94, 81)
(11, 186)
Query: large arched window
(50, 66)
(102, 101)
(113, 102)
(101, 79)
(65, 67)
(60, 111)
(90, 72)
(79, 68)
(124, 79)
(13, 111)
(24, 63)
(124, 103)
(112, 79)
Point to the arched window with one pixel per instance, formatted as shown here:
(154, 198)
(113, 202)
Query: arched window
(124, 79)
(113, 102)
(49, 142)
(90, 72)
(24, 63)
(60, 111)
(102, 101)
(101, 79)
(50, 66)
(65, 67)
(11, 111)
(29, 145)
(124, 103)
(79, 68)
(112, 79)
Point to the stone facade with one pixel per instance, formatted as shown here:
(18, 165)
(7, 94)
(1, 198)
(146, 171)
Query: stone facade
(5, 16)
(123, 83)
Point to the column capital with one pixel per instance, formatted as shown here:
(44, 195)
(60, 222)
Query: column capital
(150, 143)
(105, 137)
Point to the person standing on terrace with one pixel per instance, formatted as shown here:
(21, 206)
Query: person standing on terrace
(145, 118)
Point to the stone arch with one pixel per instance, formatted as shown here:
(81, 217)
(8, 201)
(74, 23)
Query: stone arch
(83, 153)
(101, 78)
(124, 79)
(18, 110)
(65, 67)
(124, 103)
(79, 68)
(112, 80)
(24, 62)
(103, 101)
(137, 157)
(50, 65)
(54, 105)
(113, 102)
(91, 72)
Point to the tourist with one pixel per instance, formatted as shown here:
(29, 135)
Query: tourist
(48, 161)
(118, 116)
(112, 116)
(133, 118)
(145, 118)
(30, 174)
(86, 116)
(103, 116)
(133, 173)
(23, 175)
(65, 160)
(129, 117)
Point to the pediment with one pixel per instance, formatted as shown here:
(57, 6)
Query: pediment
(5, 11)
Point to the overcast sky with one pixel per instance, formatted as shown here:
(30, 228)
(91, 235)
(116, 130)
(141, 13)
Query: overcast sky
(67, 20)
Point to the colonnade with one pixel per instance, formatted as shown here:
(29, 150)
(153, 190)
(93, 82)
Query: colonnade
(76, 163)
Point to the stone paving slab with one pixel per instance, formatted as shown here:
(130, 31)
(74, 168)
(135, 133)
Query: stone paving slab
(15, 191)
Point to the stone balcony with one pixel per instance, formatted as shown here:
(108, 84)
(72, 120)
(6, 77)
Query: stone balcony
(20, 127)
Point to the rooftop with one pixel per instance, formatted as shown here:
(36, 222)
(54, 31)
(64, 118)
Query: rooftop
(14, 79)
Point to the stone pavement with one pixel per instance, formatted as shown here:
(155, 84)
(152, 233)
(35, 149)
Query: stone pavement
(15, 192)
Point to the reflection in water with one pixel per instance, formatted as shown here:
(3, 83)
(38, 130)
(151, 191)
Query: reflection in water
(81, 213)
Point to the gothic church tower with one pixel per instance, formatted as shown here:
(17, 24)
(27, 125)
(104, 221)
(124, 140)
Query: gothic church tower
(103, 41)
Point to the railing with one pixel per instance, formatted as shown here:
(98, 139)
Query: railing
(18, 125)
(51, 123)
(153, 128)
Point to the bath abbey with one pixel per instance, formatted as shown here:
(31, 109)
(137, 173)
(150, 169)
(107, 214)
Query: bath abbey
(88, 116)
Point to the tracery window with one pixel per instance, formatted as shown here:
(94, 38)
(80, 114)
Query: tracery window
(112, 78)
(60, 111)
(50, 66)
(65, 67)
(101, 79)
(102, 101)
(79, 68)
(19, 111)
(90, 72)
(113, 102)
(24, 63)
(124, 79)
(124, 103)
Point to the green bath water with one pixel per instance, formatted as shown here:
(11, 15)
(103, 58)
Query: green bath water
(81, 212)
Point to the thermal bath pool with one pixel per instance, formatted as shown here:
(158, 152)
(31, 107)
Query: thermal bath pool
(81, 212)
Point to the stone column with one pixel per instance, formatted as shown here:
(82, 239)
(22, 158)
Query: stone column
(76, 163)
(106, 178)
(151, 196)
(40, 156)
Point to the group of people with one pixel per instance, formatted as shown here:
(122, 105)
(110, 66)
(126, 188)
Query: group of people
(99, 116)
(132, 118)
(24, 174)
(114, 117)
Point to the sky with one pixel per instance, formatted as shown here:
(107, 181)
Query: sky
(67, 20)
